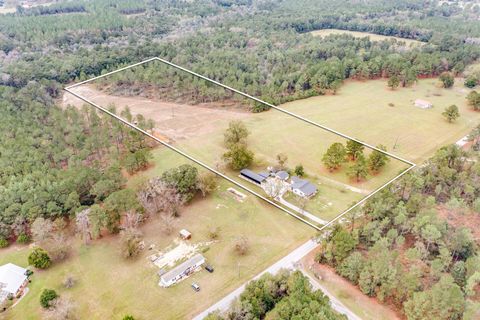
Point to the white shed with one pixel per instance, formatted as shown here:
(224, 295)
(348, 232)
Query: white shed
(423, 104)
(185, 234)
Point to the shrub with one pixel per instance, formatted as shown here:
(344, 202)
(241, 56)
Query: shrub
(3, 242)
(23, 238)
(47, 296)
(39, 258)
(213, 233)
(128, 317)
(299, 171)
(470, 82)
(447, 79)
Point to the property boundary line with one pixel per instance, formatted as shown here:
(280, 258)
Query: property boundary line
(133, 126)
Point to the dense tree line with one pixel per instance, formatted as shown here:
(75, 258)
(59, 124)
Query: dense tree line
(272, 60)
(53, 162)
(286, 295)
(403, 252)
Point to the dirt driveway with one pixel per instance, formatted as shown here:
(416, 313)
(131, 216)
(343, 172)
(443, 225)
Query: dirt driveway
(365, 307)
(173, 120)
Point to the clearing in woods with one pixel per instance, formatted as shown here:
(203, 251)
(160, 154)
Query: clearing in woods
(357, 34)
(198, 131)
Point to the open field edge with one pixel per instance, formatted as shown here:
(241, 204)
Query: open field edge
(298, 217)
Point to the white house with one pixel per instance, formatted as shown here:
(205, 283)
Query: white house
(424, 104)
(13, 279)
(182, 271)
(303, 188)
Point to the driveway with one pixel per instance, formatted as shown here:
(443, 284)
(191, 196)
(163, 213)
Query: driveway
(334, 302)
(287, 262)
(299, 210)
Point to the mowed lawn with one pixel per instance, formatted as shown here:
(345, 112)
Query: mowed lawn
(361, 109)
(109, 287)
(358, 34)
(366, 110)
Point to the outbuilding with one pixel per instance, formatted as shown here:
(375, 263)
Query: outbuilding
(185, 234)
(252, 176)
(182, 271)
(423, 104)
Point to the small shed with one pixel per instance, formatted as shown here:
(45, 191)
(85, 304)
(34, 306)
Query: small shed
(423, 104)
(185, 234)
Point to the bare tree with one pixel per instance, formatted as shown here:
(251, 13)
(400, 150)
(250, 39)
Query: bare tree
(69, 282)
(168, 223)
(157, 196)
(302, 202)
(83, 225)
(41, 229)
(274, 187)
(58, 245)
(242, 245)
(132, 219)
(62, 309)
(281, 160)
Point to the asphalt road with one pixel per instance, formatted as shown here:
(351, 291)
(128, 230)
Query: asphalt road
(287, 262)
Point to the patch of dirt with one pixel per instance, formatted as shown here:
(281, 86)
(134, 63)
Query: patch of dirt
(181, 251)
(466, 219)
(328, 274)
(173, 121)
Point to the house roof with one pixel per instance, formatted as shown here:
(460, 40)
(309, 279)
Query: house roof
(168, 276)
(282, 174)
(305, 186)
(12, 277)
(264, 174)
(252, 175)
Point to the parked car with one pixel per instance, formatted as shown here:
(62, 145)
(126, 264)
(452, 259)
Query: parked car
(195, 287)
(209, 268)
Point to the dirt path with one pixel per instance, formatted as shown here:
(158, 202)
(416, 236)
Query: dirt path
(365, 307)
(175, 121)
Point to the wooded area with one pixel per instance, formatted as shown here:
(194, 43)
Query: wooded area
(402, 251)
(63, 164)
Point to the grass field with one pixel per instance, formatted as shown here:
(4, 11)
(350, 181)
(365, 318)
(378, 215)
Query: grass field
(367, 110)
(357, 34)
(109, 287)
(361, 109)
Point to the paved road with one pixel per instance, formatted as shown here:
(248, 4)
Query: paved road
(335, 303)
(286, 262)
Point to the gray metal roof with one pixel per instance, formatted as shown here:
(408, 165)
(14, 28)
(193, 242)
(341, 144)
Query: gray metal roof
(282, 174)
(252, 175)
(304, 185)
(264, 174)
(175, 272)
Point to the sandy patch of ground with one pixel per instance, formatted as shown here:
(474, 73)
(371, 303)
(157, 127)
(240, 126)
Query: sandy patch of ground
(468, 219)
(173, 120)
(343, 287)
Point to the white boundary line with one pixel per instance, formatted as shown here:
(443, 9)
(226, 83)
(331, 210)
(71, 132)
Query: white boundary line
(412, 165)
